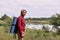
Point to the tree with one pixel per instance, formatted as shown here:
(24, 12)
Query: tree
(7, 22)
(55, 20)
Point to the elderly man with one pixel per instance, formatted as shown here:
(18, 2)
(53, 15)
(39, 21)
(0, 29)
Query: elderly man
(21, 25)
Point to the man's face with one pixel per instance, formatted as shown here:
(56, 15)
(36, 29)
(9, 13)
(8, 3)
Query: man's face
(24, 13)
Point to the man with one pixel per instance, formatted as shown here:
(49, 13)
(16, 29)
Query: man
(21, 25)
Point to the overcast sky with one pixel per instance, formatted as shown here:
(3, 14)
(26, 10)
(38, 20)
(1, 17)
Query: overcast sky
(35, 8)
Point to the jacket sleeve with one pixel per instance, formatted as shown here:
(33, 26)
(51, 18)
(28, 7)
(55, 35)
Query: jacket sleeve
(19, 24)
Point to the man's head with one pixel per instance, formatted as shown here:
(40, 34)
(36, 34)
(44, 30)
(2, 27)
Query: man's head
(23, 12)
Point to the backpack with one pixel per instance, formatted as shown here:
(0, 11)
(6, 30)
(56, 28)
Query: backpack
(14, 28)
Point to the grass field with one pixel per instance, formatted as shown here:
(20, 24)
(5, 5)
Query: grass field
(30, 34)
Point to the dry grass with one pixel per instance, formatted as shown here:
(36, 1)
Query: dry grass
(31, 35)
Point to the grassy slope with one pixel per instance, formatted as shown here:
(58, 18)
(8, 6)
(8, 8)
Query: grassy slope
(31, 35)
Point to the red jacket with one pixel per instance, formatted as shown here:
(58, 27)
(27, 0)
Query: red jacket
(21, 24)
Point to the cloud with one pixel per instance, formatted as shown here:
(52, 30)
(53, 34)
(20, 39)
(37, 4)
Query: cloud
(35, 8)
